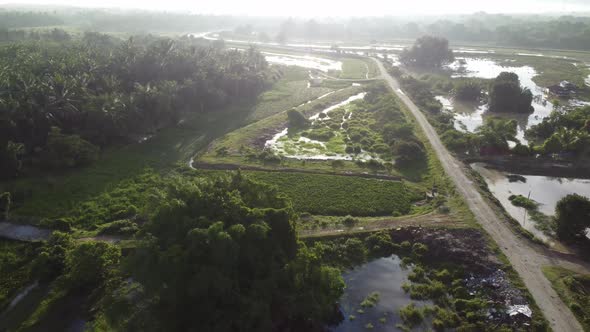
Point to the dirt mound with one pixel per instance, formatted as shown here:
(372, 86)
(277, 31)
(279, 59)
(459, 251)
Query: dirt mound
(466, 247)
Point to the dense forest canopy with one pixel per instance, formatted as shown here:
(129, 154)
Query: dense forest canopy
(64, 99)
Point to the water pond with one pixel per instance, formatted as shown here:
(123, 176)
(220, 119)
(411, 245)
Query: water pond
(545, 190)
(385, 277)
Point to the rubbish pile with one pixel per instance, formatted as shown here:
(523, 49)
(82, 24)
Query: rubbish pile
(502, 294)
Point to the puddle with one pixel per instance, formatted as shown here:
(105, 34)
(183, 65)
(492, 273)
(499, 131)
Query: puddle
(23, 232)
(545, 190)
(384, 276)
(303, 148)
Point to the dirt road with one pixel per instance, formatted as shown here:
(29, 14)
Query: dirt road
(526, 258)
(425, 220)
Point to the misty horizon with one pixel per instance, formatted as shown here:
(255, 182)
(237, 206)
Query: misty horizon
(329, 9)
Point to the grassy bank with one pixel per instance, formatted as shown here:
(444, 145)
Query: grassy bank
(574, 290)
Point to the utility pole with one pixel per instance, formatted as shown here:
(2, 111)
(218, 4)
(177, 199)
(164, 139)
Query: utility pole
(525, 211)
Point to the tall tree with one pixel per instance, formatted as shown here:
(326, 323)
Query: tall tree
(428, 52)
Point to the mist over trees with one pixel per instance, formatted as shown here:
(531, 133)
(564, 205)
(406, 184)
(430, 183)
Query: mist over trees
(428, 52)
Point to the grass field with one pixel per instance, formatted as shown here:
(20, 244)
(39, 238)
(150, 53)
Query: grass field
(339, 195)
(574, 290)
(290, 91)
(353, 68)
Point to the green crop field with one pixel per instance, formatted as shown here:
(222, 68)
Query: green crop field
(339, 195)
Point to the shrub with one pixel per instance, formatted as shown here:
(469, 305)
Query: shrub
(417, 275)
(349, 221)
(519, 200)
(296, 119)
(408, 152)
(419, 249)
(59, 224)
(411, 315)
(379, 243)
(572, 215)
(371, 300)
(506, 95)
(467, 90)
(68, 150)
(119, 227)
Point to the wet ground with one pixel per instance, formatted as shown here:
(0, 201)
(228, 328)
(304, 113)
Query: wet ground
(303, 148)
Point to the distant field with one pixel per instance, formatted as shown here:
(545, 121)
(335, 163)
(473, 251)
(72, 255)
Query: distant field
(289, 92)
(353, 68)
(338, 195)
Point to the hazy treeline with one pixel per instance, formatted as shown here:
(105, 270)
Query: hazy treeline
(544, 31)
(567, 32)
(118, 20)
(60, 101)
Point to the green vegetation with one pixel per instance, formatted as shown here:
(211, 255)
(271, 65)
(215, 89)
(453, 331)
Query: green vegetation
(456, 304)
(507, 96)
(572, 217)
(213, 225)
(371, 300)
(411, 315)
(353, 68)
(339, 195)
(467, 89)
(574, 290)
(563, 132)
(103, 91)
(15, 259)
(519, 200)
(428, 52)
(296, 119)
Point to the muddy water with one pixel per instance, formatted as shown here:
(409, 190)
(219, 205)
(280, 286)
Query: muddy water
(547, 191)
(385, 276)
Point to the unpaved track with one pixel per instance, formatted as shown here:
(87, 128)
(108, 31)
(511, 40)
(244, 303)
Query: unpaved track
(425, 220)
(526, 258)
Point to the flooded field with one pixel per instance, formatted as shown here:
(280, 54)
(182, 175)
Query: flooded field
(305, 61)
(470, 116)
(293, 145)
(545, 190)
(383, 276)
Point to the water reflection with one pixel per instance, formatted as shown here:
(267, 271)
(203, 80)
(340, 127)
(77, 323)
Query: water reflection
(384, 276)
(545, 190)
(469, 117)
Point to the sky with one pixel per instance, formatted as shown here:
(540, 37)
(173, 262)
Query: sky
(316, 8)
